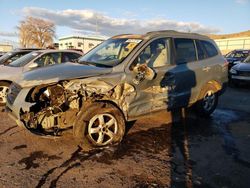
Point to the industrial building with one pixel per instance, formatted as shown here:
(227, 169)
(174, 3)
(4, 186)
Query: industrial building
(5, 47)
(228, 44)
(84, 43)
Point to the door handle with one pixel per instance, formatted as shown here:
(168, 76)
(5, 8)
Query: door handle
(206, 69)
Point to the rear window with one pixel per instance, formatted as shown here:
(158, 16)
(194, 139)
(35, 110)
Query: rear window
(185, 50)
(210, 48)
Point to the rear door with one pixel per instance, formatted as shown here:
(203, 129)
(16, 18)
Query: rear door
(183, 73)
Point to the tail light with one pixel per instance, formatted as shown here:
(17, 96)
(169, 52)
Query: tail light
(226, 63)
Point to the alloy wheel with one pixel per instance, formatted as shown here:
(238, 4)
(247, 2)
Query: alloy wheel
(102, 129)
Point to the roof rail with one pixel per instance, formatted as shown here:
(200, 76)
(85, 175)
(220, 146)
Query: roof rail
(162, 31)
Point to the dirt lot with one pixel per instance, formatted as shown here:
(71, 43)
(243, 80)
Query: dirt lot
(212, 152)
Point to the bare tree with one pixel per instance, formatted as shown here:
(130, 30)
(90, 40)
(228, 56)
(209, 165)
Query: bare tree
(35, 32)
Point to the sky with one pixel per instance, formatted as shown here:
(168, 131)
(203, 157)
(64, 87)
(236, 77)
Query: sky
(112, 17)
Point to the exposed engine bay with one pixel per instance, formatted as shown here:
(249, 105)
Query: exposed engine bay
(55, 106)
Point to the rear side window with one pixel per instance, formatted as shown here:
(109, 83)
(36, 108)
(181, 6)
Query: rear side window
(69, 57)
(210, 49)
(185, 50)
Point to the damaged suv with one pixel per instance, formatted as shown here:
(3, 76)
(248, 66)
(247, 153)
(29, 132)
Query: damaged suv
(122, 79)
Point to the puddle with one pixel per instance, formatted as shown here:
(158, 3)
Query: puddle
(30, 161)
(7, 130)
(20, 147)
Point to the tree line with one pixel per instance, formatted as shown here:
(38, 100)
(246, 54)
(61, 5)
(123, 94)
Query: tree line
(36, 32)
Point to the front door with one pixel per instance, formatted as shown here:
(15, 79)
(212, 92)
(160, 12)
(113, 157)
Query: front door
(151, 94)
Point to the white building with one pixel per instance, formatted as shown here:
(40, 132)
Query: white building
(84, 43)
(6, 47)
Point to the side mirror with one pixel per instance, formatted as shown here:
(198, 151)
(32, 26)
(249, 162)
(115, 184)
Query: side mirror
(143, 72)
(33, 65)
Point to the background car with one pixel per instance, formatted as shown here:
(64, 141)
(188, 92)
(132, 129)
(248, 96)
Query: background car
(236, 55)
(33, 60)
(240, 72)
(1, 54)
(9, 57)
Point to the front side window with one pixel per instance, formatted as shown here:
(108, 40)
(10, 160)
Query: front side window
(210, 49)
(155, 54)
(185, 50)
(49, 59)
(111, 52)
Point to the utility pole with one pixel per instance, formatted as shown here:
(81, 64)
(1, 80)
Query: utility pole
(96, 25)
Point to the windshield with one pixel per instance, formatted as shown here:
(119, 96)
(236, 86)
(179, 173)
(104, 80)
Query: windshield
(240, 54)
(5, 57)
(247, 60)
(24, 59)
(111, 52)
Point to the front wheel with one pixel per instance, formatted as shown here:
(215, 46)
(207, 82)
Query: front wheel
(208, 101)
(98, 125)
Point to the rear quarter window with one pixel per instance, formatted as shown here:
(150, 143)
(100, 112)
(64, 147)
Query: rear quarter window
(210, 48)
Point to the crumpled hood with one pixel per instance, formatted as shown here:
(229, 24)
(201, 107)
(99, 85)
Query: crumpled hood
(55, 73)
(242, 67)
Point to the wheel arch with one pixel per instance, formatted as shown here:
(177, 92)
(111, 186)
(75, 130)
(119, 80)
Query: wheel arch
(215, 83)
(116, 105)
(7, 81)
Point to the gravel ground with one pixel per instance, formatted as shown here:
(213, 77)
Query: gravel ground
(212, 152)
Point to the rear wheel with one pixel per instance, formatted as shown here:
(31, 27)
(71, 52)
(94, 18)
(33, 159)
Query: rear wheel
(98, 125)
(4, 88)
(208, 101)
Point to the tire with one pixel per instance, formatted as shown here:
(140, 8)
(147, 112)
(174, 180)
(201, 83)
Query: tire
(208, 100)
(98, 125)
(236, 83)
(4, 88)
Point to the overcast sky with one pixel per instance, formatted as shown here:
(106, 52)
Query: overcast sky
(111, 17)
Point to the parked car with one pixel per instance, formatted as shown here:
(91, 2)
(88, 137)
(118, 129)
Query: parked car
(121, 80)
(240, 73)
(33, 60)
(1, 54)
(9, 57)
(235, 56)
